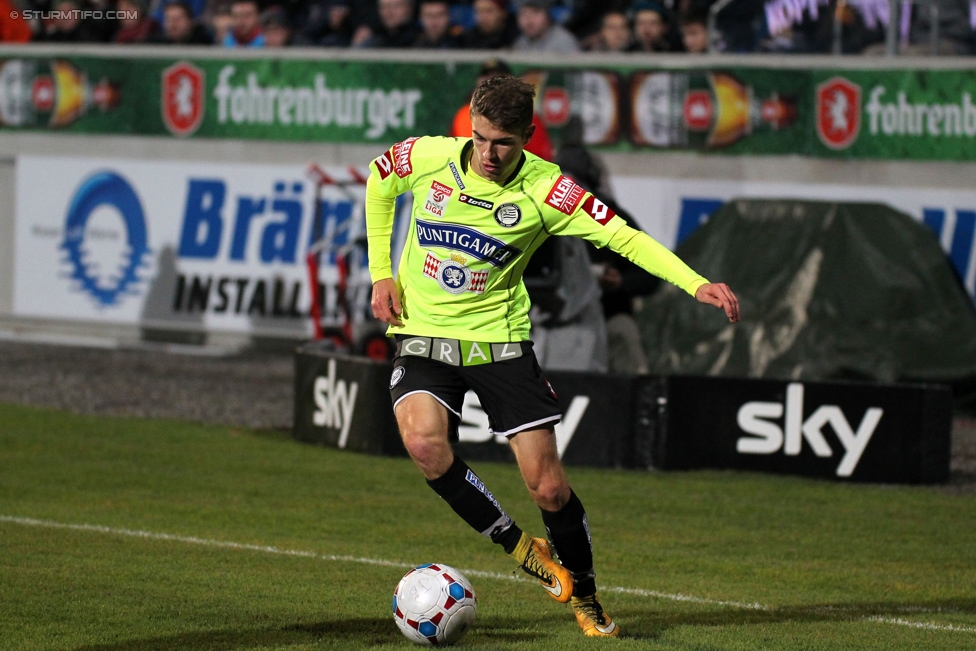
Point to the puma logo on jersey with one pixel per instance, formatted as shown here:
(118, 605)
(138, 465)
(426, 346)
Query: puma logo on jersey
(565, 195)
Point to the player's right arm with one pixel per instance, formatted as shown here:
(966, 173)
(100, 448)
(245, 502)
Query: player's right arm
(380, 211)
(387, 180)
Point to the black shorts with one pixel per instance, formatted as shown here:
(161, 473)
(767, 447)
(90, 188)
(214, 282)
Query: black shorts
(506, 378)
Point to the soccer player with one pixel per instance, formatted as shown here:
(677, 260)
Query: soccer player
(460, 315)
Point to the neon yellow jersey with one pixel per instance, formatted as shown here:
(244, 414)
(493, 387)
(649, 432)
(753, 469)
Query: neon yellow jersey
(470, 240)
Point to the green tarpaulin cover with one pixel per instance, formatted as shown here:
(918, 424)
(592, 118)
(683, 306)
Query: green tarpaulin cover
(827, 291)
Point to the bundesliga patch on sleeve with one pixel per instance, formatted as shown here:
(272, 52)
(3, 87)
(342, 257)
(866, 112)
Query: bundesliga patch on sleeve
(565, 195)
(599, 211)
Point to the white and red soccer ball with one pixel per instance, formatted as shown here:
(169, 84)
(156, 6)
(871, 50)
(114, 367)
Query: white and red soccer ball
(434, 604)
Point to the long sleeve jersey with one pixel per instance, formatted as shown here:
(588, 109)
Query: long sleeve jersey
(470, 239)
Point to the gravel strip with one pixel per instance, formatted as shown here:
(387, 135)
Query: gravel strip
(247, 389)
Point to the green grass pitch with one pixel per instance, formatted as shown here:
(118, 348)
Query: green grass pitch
(139, 535)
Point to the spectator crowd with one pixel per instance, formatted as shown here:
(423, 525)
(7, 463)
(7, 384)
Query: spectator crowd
(559, 26)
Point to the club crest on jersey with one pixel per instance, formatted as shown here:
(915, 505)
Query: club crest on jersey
(437, 199)
(467, 240)
(599, 211)
(453, 276)
(508, 215)
(475, 201)
(565, 195)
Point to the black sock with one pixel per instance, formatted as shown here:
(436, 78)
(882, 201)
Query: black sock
(570, 536)
(471, 500)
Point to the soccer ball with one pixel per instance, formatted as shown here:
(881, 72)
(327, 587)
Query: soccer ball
(434, 604)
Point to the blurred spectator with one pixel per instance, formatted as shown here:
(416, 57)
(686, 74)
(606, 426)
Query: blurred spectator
(68, 26)
(620, 280)
(13, 30)
(495, 28)
(397, 27)
(246, 28)
(135, 23)
(539, 32)
(586, 16)
(276, 27)
(742, 25)
(221, 23)
(180, 28)
(614, 34)
(540, 144)
(652, 29)
(437, 32)
(326, 22)
(694, 31)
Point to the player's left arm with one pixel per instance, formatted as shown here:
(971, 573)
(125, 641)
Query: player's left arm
(587, 217)
(657, 259)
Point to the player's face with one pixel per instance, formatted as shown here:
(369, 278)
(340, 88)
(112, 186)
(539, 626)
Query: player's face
(496, 152)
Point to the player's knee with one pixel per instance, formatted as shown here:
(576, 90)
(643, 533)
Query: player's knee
(425, 443)
(550, 494)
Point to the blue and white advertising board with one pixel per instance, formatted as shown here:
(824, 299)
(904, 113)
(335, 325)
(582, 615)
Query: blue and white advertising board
(211, 246)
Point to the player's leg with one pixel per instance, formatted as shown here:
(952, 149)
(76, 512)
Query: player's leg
(426, 418)
(565, 521)
(424, 428)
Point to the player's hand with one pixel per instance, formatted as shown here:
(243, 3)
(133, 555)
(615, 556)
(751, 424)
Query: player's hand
(719, 295)
(386, 302)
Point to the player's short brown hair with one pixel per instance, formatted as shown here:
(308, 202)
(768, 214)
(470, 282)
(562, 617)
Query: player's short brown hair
(505, 101)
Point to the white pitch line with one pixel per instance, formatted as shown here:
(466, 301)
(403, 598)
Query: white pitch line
(923, 625)
(208, 542)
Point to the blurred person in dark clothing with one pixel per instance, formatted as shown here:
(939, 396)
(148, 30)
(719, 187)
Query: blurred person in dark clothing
(437, 31)
(621, 281)
(277, 28)
(614, 34)
(495, 27)
(180, 28)
(586, 16)
(652, 28)
(135, 23)
(69, 27)
(694, 31)
(246, 28)
(328, 23)
(218, 21)
(397, 27)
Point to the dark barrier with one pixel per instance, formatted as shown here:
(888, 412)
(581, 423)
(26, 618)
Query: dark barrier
(344, 401)
(856, 431)
(849, 431)
(598, 426)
